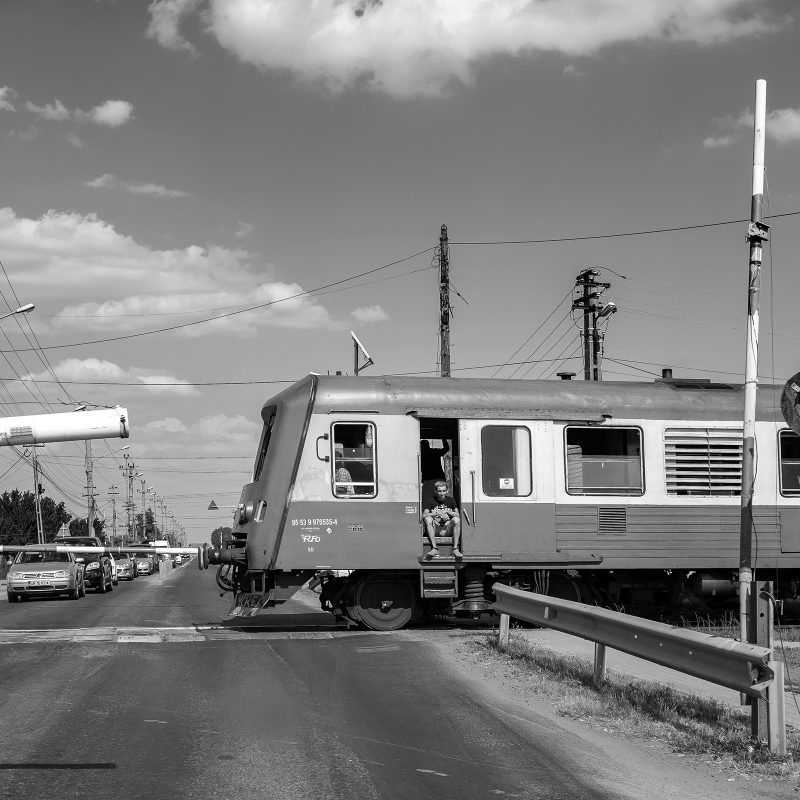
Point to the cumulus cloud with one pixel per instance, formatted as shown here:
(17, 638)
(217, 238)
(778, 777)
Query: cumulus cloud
(74, 139)
(76, 256)
(109, 181)
(53, 112)
(782, 127)
(111, 114)
(277, 305)
(572, 71)
(94, 371)
(29, 134)
(428, 47)
(711, 142)
(244, 229)
(168, 425)
(216, 432)
(165, 19)
(7, 97)
(369, 314)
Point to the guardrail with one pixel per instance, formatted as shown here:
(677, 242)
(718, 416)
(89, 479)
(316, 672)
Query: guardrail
(747, 668)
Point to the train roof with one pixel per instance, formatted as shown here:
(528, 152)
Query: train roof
(595, 401)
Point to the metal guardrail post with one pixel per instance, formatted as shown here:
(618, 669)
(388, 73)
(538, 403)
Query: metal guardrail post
(776, 702)
(599, 663)
(505, 624)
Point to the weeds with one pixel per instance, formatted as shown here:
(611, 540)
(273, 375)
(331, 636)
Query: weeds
(685, 723)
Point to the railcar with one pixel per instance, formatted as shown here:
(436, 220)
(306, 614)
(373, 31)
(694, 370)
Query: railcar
(619, 493)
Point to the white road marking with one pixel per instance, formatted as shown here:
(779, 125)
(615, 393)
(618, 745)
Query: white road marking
(433, 772)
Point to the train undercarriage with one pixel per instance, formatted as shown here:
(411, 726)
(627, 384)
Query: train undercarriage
(391, 599)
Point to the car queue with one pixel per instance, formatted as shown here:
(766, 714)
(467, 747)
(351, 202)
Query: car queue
(34, 573)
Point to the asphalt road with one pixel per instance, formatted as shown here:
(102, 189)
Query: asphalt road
(148, 691)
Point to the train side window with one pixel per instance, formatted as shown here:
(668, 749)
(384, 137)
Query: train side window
(789, 463)
(506, 461)
(604, 461)
(354, 459)
(266, 435)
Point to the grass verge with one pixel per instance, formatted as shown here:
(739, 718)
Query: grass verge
(687, 724)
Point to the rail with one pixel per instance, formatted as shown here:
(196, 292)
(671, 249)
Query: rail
(747, 668)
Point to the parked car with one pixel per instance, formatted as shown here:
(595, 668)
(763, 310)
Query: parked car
(97, 566)
(37, 573)
(143, 565)
(126, 566)
(178, 560)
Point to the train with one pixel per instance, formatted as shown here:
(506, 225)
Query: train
(623, 494)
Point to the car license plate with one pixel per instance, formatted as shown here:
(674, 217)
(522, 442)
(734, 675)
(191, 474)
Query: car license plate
(39, 583)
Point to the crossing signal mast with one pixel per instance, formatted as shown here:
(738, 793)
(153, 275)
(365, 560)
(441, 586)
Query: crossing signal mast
(593, 310)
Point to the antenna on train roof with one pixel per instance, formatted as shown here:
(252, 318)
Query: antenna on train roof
(357, 349)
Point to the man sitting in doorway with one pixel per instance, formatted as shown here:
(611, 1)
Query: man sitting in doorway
(442, 518)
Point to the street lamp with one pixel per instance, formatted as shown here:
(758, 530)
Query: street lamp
(21, 310)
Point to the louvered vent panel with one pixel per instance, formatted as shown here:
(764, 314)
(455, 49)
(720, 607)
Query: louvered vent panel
(613, 519)
(703, 461)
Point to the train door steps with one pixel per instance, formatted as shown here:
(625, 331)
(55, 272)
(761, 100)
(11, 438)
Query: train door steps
(439, 582)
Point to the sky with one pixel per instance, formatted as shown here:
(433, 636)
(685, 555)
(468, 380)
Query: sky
(204, 197)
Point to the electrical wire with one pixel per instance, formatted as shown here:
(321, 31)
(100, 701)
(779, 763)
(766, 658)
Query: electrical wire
(563, 299)
(244, 310)
(620, 235)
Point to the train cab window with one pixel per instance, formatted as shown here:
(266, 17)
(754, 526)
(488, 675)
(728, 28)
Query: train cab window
(604, 461)
(353, 459)
(266, 435)
(790, 463)
(506, 461)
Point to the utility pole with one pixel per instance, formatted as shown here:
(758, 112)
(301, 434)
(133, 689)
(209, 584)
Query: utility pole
(90, 489)
(112, 493)
(444, 304)
(37, 497)
(128, 471)
(589, 303)
(756, 233)
(144, 512)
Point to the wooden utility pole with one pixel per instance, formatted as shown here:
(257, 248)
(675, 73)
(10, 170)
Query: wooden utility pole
(756, 234)
(112, 493)
(444, 304)
(90, 505)
(37, 497)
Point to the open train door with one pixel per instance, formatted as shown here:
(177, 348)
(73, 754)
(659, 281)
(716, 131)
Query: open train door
(508, 489)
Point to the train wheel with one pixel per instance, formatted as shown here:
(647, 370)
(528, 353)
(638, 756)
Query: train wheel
(564, 588)
(385, 604)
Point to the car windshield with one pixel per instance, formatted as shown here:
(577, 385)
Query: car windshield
(40, 558)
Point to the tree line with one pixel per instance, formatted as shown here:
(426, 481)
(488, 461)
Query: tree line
(18, 521)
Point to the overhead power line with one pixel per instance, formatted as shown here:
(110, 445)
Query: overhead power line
(622, 235)
(227, 314)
